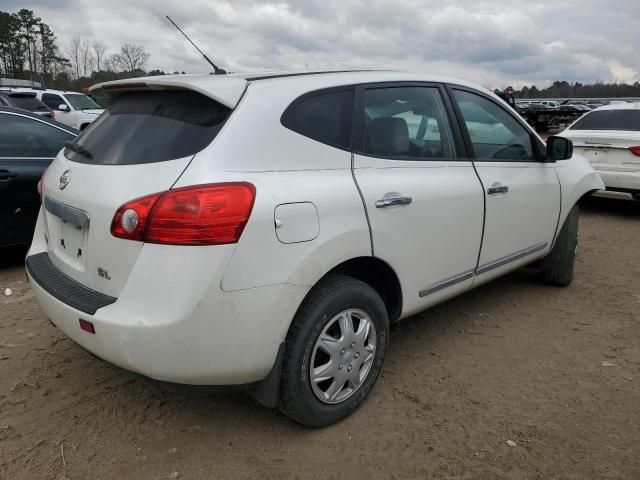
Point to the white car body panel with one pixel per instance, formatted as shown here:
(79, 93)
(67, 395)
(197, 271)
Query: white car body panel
(522, 220)
(218, 314)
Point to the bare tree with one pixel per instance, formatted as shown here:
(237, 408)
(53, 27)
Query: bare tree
(111, 63)
(99, 50)
(131, 57)
(74, 55)
(86, 58)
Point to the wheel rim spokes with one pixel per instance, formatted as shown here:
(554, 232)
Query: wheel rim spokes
(342, 356)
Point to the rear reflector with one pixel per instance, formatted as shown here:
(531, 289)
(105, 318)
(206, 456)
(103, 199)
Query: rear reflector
(213, 214)
(635, 151)
(87, 326)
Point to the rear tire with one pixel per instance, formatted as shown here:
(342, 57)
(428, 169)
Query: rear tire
(320, 345)
(558, 266)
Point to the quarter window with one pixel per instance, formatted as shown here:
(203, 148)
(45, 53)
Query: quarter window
(22, 137)
(494, 133)
(325, 117)
(406, 123)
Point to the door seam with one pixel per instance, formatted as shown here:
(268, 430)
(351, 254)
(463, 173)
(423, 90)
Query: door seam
(364, 205)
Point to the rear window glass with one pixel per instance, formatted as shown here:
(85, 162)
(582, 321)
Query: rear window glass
(628, 120)
(28, 102)
(325, 117)
(149, 127)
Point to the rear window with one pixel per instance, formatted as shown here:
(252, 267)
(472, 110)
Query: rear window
(28, 102)
(628, 120)
(149, 127)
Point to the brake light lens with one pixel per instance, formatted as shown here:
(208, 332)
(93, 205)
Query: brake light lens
(121, 225)
(635, 151)
(40, 183)
(213, 214)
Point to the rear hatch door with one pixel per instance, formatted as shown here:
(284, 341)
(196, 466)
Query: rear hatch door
(141, 145)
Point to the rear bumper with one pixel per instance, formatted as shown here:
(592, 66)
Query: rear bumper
(624, 185)
(622, 180)
(170, 326)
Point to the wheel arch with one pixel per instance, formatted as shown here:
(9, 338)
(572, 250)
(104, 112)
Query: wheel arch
(379, 275)
(373, 271)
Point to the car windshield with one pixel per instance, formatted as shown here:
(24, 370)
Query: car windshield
(80, 101)
(626, 120)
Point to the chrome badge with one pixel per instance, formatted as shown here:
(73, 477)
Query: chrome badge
(65, 178)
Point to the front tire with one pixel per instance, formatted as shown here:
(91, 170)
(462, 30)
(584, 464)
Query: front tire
(558, 266)
(334, 351)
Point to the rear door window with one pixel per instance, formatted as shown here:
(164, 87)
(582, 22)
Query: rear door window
(626, 120)
(406, 123)
(23, 137)
(325, 117)
(149, 127)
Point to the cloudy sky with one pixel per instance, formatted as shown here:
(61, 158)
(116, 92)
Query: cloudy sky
(488, 41)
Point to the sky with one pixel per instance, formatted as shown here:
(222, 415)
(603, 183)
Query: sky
(491, 42)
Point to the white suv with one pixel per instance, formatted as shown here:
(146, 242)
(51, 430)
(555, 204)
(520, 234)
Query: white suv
(72, 108)
(265, 230)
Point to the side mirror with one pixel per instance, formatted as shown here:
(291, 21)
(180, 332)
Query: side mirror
(63, 107)
(559, 148)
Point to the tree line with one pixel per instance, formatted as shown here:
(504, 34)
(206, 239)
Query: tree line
(29, 50)
(564, 89)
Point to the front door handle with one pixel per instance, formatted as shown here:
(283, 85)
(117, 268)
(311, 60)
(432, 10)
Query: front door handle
(390, 200)
(497, 188)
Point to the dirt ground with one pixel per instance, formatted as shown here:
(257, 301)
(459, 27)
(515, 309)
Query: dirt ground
(556, 371)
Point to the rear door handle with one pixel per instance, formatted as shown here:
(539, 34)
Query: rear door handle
(5, 175)
(391, 200)
(497, 188)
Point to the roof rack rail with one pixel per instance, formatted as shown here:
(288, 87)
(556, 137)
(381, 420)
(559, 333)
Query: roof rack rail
(299, 74)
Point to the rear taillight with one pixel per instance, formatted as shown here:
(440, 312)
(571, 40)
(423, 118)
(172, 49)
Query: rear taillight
(200, 215)
(41, 182)
(53, 115)
(635, 151)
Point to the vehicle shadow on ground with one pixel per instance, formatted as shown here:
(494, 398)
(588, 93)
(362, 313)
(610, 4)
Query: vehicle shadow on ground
(12, 256)
(611, 207)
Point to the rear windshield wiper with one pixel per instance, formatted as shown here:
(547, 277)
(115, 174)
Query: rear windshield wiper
(79, 149)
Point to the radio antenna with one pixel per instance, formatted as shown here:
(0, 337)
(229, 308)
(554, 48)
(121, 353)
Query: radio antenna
(216, 70)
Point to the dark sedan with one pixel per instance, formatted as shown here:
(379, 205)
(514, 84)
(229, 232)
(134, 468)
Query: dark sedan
(28, 144)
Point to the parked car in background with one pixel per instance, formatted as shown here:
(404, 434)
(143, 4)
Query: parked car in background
(265, 230)
(26, 101)
(609, 137)
(28, 144)
(72, 108)
(544, 103)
